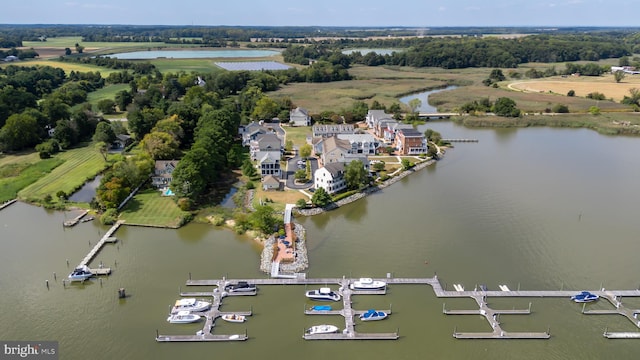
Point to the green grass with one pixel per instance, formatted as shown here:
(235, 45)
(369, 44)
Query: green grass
(107, 92)
(297, 134)
(18, 175)
(70, 42)
(66, 66)
(150, 209)
(186, 65)
(79, 165)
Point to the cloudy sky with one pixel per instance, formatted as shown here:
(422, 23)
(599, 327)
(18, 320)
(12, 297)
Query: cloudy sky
(418, 13)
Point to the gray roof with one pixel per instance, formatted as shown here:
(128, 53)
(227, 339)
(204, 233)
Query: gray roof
(335, 169)
(411, 133)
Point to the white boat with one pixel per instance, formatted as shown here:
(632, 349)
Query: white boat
(367, 284)
(233, 318)
(240, 286)
(321, 329)
(373, 315)
(183, 317)
(80, 273)
(190, 304)
(323, 294)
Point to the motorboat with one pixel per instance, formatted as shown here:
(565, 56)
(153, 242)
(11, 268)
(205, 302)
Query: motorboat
(80, 273)
(584, 297)
(183, 317)
(367, 284)
(190, 304)
(321, 329)
(323, 294)
(321, 308)
(373, 315)
(240, 286)
(233, 318)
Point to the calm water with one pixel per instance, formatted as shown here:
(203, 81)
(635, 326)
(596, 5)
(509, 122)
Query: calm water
(366, 51)
(192, 54)
(424, 98)
(540, 208)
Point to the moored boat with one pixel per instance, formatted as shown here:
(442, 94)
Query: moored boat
(240, 286)
(233, 318)
(183, 317)
(80, 273)
(367, 284)
(321, 308)
(190, 304)
(321, 329)
(584, 297)
(373, 315)
(323, 294)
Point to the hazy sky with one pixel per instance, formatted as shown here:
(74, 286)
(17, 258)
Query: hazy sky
(419, 13)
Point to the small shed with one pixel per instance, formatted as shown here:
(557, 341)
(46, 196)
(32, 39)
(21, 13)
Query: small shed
(270, 182)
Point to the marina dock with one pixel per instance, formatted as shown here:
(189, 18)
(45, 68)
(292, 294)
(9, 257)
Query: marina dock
(75, 220)
(479, 295)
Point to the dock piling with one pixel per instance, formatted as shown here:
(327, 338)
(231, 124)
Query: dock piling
(54, 277)
(47, 283)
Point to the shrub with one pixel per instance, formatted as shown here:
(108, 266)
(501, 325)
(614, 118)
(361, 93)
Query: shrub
(250, 185)
(109, 217)
(185, 204)
(571, 93)
(301, 203)
(560, 108)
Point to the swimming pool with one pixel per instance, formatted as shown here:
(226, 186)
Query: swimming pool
(168, 192)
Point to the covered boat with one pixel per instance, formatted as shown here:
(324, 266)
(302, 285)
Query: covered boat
(80, 273)
(233, 318)
(323, 294)
(584, 297)
(190, 304)
(240, 286)
(373, 315)
(367, 284)
(183, 317)
(321, 329)
(321, 308)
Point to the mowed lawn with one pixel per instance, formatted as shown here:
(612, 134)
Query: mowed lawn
(27, 169)
(67, 66)
(79, 165)
(149, 208)
(107, 92)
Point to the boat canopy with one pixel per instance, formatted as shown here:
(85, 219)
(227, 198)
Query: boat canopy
(183, 313)
(186, 302)
(325, 290)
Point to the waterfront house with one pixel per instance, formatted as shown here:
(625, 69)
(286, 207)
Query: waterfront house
(300, 117)
(269, 164)
(163, 173)
(265, 143)
(375, 116)
(410, 142)
(334, 150)
(330, 178)
(361, 143)
(389, 132)
(251, 132)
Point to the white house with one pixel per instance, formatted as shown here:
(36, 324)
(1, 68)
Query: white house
(330, 178)
(269, 164)
(300, 117)
(361, 143)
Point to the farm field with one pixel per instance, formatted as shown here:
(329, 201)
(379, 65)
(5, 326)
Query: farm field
(70, 42)
(66, 66)
(80, 165)
(149, 208)
(107, 92)
(21, 172)
(582, 85)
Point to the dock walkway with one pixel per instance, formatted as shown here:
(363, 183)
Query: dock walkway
(75, 220)
(107, 238)
(6, 204)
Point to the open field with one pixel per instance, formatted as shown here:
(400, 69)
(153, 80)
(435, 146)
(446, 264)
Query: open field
(151, 209)
(107, 92)
(279, 198)
(71, 41)
(582, 85)
(18, 174)
(202, 65)
(297, 134)
(66, 66)
(79, 165)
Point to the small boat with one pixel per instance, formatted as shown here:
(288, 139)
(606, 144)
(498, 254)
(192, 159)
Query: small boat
(233, 318)
(80, 273)
(321, 308)
(373, 315)
(367, 284)
(584, 297)
(240, 286)
(323, 294)
(183, 317)
(321, 329)
(190, 304)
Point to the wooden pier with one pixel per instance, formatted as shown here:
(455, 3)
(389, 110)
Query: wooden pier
(460, 140)
(75, 220)
(107, 238)
(620, 309)
(10, 202)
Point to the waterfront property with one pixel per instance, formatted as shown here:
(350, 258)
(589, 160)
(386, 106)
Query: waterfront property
(163, 173)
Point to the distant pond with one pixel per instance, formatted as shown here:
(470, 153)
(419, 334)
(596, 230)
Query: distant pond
(192, 54)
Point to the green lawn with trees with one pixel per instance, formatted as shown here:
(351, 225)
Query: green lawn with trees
(150, 209)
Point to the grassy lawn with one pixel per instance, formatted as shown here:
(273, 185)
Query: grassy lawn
(107, 92)
(297, 134)
(79, 165)
(151, 209)
(278, 198)
(186, 65)
(71, 41)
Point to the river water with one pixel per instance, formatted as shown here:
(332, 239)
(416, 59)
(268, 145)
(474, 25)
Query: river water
(537, 208)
